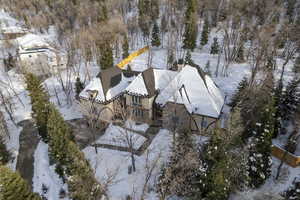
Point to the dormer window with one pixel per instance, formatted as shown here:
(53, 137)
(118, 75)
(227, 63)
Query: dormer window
(92, 94)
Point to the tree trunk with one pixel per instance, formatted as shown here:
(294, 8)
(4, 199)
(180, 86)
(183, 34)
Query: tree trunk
(133, 160)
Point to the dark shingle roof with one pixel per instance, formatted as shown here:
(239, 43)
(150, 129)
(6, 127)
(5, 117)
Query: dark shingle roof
(113, 76)
(149, 81)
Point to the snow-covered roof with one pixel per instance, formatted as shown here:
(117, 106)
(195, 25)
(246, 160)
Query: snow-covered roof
(31, 41)
(196, 91)
(138, 86)
(101, 95)
(149, 81)
(6, 20)
(190, 87)
(12, 29)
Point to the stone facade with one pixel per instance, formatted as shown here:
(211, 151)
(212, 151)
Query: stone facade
(140, 108)
(176, 116)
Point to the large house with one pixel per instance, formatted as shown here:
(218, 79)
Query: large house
(187, 99)
(37, 56)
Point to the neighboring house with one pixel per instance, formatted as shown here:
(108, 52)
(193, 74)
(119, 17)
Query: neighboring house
(187, 99)
(37, 56)
(11, 32)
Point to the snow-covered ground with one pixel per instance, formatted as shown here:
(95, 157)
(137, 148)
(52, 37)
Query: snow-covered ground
(117, 136)
(110, 163)
(137, 127)
(44, 174)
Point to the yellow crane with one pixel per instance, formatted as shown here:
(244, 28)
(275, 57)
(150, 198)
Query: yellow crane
(132, 56)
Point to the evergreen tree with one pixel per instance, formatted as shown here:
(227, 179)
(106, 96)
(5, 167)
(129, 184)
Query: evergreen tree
(188, 59)
(207, 68)
(59, 135)
(290, 10)
(102, 15)
(278, 113)
(155, 36)
(191, 28)
(239, 94)
(79, 86)
(125, 47)
(290, 99)
(240, 55)
(296, 67)
(39, 102)
(215, 47)
(106, 59)
(13, 187)
(205, 33)
(179, 175)
(144, 18)
(260, 160)
(70, 161)
(221, 174)
(5, 155)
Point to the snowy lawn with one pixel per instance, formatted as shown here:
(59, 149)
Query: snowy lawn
(137, 127)
(117, 136)
(45, 174)
(110, 163)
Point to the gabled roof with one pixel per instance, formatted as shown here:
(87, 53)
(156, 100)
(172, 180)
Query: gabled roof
(197, 91)
(108, 84)
(31, 41)
(190, 87)
(149, 82)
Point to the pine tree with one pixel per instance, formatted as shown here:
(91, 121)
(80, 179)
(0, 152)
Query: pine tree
(59, 134)
(144, 18)
(278, 113)
(260, 160)
(205, 33)
(207, 68)
(125, 47)
(215, 47)
(290, 99)
(13, 187)
(191, 28)
(103, 15)
(240, 55)
(39, 102)
(70, 161)
(178, 175)
(220, 173)
(290, 10)
(5, 155)
(79, 86)
(188, 59)
(155, 36)
(239, 94)
(106, 56)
